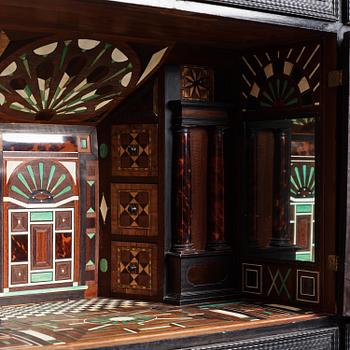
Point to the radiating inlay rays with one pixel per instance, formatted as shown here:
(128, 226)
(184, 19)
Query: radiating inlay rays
(286, 77)
(278, 93)
(41, 181)
(68, 78)
(302, 181)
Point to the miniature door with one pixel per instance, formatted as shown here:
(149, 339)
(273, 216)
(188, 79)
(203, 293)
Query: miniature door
(290, 215)
(50, 210)
(40, 208)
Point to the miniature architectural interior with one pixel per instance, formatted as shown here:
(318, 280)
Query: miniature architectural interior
(170, 179)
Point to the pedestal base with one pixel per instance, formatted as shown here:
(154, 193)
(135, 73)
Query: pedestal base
(198, 277)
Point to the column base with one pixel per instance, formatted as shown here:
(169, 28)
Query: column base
(219, 246)
(183, 248)
(190, 277)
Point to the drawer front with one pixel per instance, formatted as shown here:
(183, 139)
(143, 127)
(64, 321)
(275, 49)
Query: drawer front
(134, 209)
(134, 150)
(134, 268)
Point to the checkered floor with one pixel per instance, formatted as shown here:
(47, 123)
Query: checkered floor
(64, 307)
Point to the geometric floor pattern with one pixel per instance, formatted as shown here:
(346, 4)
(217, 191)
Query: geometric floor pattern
(101, 322)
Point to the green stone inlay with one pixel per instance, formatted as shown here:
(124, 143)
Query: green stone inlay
(91, 235)
(292, 102)
(100, 54)
(52, 173)
(41, 173)
(83, 143)
(64, 52)
(90, 182)
(17, 190)
(31, 173)
(311, 174)
(304, 208)
(272, 91)
(91, 210)
(304, 174)
(90, 263)
(267, 96)
(289, 93)
(25, 64)
(36, 277)
(24, 181)
(41, 216)
(103, 265)
(285, 83)
(2, 87)
(103, 151)
(65, 190)
(296, 170)
(59, 181)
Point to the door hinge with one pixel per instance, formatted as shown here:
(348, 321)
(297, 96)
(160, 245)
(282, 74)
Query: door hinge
(333, 262)
(335, 78)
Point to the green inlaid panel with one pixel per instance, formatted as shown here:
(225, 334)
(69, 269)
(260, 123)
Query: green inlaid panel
(103, 151)
(37, 277)
(304, 208)
(91, 235)
(83, 143)
(41, 216)
(103, 265)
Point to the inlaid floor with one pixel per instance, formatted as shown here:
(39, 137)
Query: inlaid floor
(102, 322)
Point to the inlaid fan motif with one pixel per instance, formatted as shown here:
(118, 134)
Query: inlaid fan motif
(281, 78)
(64, 79)
(41, 181)
(302, 180)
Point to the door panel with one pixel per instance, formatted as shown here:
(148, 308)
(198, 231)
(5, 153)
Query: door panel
(41, 247)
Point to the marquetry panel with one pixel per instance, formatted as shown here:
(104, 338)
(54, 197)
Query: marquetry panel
(63, 220)
(41, 246)
(63, 270)
(197, 83)
(19, 222)
(321, 9)
(19, 274)
(41, 181)
(281, 78)
(66, 79)
(280, 282)
(134, 209)
(135, 150)
(252, 278)
(134, 268)
(92, 217)
(308, 286)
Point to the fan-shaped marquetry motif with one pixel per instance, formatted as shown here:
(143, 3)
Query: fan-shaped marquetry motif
(196, 83)
(62, 80)
(41, 181)
(302, 180)
(281, 78)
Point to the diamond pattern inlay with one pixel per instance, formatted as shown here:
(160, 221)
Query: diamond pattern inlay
(103, 208)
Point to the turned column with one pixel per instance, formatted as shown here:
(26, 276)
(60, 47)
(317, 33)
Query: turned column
(281, 188)
(216, 190)
(183, 187)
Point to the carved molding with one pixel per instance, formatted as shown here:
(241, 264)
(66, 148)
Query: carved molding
(320, 9)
